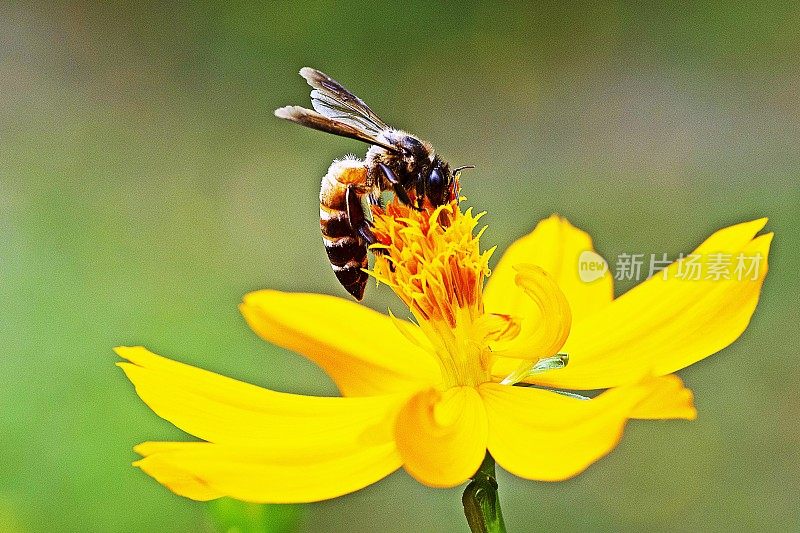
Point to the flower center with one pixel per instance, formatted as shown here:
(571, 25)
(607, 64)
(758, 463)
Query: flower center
(433, 262)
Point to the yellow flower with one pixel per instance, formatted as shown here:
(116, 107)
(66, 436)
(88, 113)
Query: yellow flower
(434, 395)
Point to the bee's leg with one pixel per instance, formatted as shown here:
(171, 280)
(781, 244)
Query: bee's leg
(355, 216)
(358, 222)
(399, 191)
(375, 200)
(365, 232)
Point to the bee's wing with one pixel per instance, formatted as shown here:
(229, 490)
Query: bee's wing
(312, 119)
(332, 100)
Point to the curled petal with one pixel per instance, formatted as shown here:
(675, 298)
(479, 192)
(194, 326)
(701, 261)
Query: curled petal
(546, 325)
(669, 321)
(360, 349)
(557, 247)
(252, 429)
(542, 435)
(441, 436)
(496, 328)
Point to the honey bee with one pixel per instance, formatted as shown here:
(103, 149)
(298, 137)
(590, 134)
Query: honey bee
(396, 161)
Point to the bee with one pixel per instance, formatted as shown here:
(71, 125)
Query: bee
(396, 161)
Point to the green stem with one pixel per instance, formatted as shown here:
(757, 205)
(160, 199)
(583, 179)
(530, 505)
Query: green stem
(481, 502)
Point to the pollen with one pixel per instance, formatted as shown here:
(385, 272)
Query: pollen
(433, 262)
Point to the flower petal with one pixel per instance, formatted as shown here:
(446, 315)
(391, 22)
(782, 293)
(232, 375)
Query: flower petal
(556, 246)
(181, 481)
(360, 349)
(542, 435)
(223, 410)
(255, 429)
(204, 471)
(441, 436)
(668, 398)
(546, 325)
(663, 325)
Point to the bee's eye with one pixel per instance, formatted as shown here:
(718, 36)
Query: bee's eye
(436, 186)
(436, 180)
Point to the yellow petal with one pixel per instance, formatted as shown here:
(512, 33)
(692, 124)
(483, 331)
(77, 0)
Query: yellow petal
(663, 325)
(547, 323)
(267, 446)
(181, 481)
(556, 246)
(441, 436)
(226, 411)
(668, 399)
(203, 471)
(360, 349)
(542, 435)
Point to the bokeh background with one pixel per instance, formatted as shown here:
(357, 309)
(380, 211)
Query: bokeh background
(145, 186)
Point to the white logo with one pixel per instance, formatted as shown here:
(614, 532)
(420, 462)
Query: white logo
(591, 266)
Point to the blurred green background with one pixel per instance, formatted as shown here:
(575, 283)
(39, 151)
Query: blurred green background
(145, 187)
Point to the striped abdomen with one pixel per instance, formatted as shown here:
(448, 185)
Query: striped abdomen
(347, 251)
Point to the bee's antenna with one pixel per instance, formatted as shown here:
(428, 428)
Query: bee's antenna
(459, 169)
